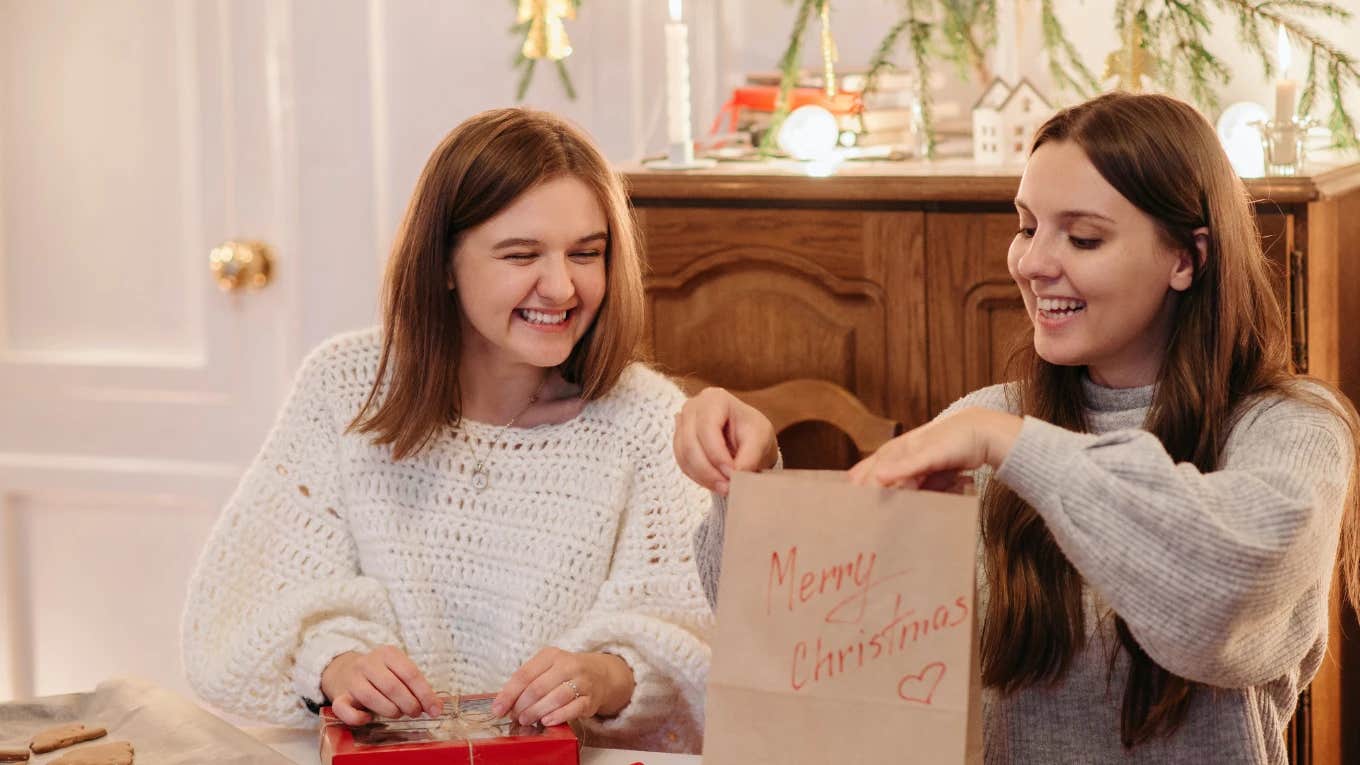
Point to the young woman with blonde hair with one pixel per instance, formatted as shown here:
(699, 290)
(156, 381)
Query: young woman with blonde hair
(479, 495)
(1162, 497)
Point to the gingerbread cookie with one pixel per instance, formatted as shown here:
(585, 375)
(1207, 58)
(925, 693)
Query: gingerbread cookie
(62, 736)
(13, 755)
(112, 753)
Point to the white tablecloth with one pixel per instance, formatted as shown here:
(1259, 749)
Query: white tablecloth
(300, 746)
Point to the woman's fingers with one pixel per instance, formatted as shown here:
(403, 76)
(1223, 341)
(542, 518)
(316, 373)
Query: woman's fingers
(556, 686)
(426, 700)
(573, 710)
(862, 473)
(382, 682)
(347, 709)
(509, 700)
(716, 434)
(551, 694)
(694, 449)
(897, 464)
(690, 455)
(369, 697)
(558, 666)
(913, 458)
(754, 439)
(386, 682)
(710, 428)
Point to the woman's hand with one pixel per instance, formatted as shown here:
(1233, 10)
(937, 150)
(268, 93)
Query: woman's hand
(717, 434)
(930, 457)
(383, 681)
(557, 686)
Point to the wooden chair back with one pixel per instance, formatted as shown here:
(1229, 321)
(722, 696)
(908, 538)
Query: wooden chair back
(807, 400)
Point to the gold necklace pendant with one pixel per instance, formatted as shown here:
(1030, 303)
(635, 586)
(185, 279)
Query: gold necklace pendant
(480, 478)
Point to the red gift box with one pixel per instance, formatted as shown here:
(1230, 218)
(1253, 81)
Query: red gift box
(418, 741)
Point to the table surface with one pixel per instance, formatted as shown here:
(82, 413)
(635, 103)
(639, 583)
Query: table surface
(300, 746)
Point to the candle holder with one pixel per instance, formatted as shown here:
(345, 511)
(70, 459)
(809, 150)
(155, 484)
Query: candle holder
(1284, 144)
(680, 157)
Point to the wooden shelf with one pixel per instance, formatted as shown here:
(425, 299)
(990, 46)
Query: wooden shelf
(856, 183)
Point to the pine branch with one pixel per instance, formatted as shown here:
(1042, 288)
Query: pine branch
(1339, 121)
(526, 76)
(1249, 32)
(962, 28)
(519, 60)
(1064, 61)
(961, 46)
(1309, 94)
(1204, 71)
(1324, 8)
(788, 73)
(880, 61)
(920, 39)
(565, 76)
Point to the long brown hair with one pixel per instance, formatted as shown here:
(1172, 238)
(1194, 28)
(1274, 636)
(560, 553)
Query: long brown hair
(1230, 345)
(478, 170)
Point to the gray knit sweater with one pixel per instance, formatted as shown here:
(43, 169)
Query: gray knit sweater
(1222, 577)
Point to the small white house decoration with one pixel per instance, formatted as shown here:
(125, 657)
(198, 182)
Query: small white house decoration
(1005, 120)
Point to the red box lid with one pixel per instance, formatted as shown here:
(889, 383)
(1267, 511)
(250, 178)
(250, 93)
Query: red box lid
(524, 745)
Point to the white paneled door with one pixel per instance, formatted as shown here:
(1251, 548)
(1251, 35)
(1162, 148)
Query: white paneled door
(134, 138)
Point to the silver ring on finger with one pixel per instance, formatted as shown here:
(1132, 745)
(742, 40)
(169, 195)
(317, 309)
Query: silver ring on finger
(576, 691)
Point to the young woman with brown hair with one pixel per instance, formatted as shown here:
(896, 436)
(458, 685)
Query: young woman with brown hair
(1162, 497)
(479, 495)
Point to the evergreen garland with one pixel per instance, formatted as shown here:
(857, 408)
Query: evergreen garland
(1174, 37)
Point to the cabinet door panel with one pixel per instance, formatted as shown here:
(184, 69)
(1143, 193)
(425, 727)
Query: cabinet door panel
(976, 315)
(750, 298)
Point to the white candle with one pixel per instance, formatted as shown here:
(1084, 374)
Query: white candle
(1286, 92)
(677, 89)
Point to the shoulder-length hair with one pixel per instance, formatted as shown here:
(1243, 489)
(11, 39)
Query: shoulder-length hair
(1230, 346)
(478, 170)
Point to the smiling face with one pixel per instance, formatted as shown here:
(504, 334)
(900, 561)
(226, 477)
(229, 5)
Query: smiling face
(530, 280)
(1100, 283)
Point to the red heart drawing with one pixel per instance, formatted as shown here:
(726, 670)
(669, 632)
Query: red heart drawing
(921, 686)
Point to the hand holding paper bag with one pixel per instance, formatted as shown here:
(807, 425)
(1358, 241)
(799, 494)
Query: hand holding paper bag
(717, 434)
(846, 625)
(932, 456)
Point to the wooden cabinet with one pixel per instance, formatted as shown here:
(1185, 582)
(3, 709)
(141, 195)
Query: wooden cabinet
(890, 280)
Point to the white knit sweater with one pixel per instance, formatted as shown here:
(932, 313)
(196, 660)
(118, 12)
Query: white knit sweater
(582, 541)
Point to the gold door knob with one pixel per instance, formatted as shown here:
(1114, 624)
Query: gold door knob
(241, 265)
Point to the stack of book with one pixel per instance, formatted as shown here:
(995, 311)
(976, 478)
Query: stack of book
(885, 118)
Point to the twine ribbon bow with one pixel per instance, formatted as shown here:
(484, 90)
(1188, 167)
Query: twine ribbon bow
(457, 722)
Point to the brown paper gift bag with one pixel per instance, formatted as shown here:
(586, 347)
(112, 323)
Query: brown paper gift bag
(846, 630)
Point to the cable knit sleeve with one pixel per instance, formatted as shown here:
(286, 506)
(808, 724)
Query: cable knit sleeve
(1221, 576)
(651, 610)
(277, 592)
